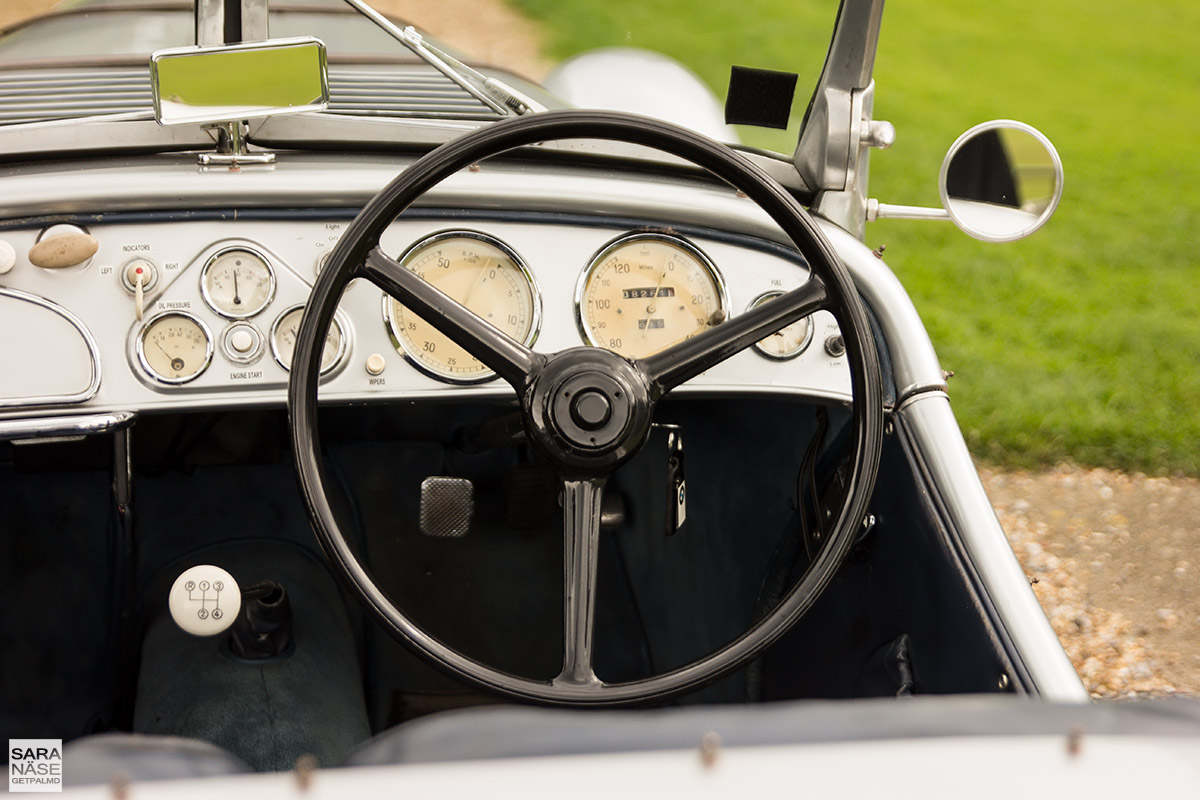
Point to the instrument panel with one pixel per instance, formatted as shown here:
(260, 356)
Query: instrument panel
(192, 313)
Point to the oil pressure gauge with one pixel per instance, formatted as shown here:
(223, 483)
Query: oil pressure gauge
(237, 283)
(174, 347)
(788, 342)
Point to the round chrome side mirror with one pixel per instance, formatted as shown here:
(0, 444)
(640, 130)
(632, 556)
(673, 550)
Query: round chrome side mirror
(1001, 181)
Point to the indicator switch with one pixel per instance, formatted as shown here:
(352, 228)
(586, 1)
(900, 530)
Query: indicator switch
(139, 267)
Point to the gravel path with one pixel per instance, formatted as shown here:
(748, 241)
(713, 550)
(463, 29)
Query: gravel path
(1114, 559)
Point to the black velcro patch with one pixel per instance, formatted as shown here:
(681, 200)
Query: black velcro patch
(761, 97)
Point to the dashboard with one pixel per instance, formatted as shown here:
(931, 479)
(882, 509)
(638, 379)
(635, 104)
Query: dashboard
(221, 294)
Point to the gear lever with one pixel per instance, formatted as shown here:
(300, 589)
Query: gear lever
(204, 600)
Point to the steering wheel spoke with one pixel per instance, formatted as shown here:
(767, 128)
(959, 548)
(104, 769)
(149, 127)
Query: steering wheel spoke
(509, 358)
(581, 541)
(690, 357)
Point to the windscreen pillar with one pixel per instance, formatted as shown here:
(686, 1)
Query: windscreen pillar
(230, 21)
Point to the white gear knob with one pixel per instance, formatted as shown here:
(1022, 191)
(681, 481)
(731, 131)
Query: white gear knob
(204, 600)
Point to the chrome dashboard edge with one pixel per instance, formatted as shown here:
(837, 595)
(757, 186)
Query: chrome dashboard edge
(67, 426)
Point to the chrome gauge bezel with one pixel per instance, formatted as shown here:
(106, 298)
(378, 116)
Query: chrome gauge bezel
(812, 326)
(140, 348)
(604, 252)
(343, 340)
(535, 309)
(250, 251)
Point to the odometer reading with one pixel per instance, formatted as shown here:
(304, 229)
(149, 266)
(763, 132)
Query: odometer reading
(648, 291)
(482, 274)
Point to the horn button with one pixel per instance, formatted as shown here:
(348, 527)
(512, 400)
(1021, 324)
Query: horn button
(590, 410)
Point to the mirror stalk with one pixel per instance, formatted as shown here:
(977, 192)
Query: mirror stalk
(838, 131)
(230, 21)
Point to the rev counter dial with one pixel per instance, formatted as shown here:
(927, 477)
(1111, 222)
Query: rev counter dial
(237, 283)
(647, 291)
(174, 347)
(479, 272)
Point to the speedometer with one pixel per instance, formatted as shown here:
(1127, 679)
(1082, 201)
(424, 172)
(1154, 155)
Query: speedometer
(647, 291)
(479, 272)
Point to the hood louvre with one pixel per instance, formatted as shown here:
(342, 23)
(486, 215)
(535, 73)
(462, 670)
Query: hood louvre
(36, 95)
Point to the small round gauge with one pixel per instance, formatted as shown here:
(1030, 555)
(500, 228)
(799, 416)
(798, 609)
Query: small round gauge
(283, 340)
(485, 276)
(647, 291)
(788, 342)
(174, 347)
(237, 283)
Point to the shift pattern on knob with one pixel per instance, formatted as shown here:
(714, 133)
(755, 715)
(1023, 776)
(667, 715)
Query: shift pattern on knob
(204, 600)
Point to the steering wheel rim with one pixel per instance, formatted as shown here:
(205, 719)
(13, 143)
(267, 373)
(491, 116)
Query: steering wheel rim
(830, 287)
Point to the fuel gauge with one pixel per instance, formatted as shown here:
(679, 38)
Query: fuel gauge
(788, 342)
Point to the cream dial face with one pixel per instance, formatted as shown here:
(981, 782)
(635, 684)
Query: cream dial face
(174, 348)
(646, 292)
(283, 340)
(788, 342)
(481, 274)
(237, 283)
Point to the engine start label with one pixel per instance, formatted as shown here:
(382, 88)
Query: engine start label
(35, 765)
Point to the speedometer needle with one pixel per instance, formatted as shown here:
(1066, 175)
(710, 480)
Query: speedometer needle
(650, 308)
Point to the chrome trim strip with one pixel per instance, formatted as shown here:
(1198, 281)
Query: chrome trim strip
(66, 426)
(936, 436)
(93, 351)
(915, 365)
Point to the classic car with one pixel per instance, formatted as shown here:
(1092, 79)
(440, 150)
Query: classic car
(379, 421)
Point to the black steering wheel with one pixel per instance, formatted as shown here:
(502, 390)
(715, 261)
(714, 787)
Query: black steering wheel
(587, 410)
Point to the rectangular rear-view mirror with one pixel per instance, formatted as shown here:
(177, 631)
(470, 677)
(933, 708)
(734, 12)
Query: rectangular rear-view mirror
(239, 81)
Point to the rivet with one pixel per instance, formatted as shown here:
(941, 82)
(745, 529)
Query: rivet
(1075, 741)
(710, 748)
(305, 769)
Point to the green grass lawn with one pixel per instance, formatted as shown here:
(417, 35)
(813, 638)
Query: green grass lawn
(1082, 342)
